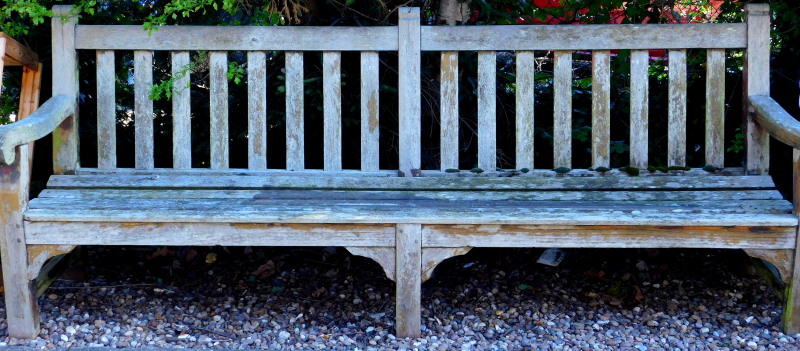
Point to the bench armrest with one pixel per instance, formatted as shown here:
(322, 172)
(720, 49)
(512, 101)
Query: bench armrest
(779, 123)
(36, 126)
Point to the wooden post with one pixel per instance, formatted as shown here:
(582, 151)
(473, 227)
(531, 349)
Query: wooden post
(791, 319)
(65, 81)
(409, 82)
(22, 310)
(408, 277)
(756, 82)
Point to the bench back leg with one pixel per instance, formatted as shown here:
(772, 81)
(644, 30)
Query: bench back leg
(22, 310)
(791, 317)
(408, 279)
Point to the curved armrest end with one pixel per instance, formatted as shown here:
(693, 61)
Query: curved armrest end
(36, 126)
(779, 123)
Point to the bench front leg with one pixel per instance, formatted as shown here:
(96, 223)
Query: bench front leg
(408, 279)
(22, 309)
(791, 318)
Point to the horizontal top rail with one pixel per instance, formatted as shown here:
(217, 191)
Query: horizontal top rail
(111, 37)
(433, 38)
(585, 37)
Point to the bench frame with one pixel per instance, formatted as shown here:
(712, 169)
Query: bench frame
(408, 252)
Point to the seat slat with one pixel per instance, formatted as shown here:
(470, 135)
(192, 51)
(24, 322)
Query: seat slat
(219, 109)
(489, 195)
(562, 104)
(295, 159)
(601, 111)
(487, 110)
(526, 81)
(448, 116)
(332, 101)
(199, 181)
(676, 143)
(638, 105)
(106, 114)
(370, 109)
(715, 108)
(181, 111)
(256, 110)
(143, 108)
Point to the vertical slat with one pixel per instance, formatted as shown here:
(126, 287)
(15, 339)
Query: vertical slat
(756, 77)
(715, 108)
(332, 101)
(562, 103)
(676, 143)
(408, 279)
(409, 94)
(370, 124)
(601, 109)
(639, 105)
(181, 111)
(2, 60)
(143, 108)
(219, 109)
(106, 114)
(65, 81)
(256, 110)
(525, 101)
(295, 161)
(448, 118)
(487, 110)
(22, 310)
(29, 94)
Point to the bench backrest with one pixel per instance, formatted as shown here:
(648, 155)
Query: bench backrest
(409, 40)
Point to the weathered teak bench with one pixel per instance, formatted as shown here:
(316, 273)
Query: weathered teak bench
(407, 219)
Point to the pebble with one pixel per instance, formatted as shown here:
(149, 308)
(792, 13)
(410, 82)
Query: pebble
(481, 307)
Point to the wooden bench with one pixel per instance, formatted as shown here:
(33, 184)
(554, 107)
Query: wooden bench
(408, 219)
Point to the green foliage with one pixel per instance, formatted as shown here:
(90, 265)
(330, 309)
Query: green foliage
(164, 88)
(562, 170)
(632, 171)
(451, 170)
(737, 144)
(476, 170)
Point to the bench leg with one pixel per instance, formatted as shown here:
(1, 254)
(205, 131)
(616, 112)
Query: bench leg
(22, 310)
(408, 277)
(791, 307)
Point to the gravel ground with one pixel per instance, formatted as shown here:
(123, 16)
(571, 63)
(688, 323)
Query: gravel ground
(301, 298)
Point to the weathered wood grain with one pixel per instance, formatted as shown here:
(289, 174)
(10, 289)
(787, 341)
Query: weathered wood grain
(487, 110)
(676, 130)
(65, 82)
(16, 54)
(239, 171)
(408, 277)
(384, 256)
(106, 111)
(341, 181)
(715, 108)
(639, 106)
(39, 254)
(266, 38)
(295, 135)
(791, 309)
(370, 111)
(562, 106)
(448, 113)
(181, 111)
(775, 120)
(232, 234)
(584, 37)
(143, 109)
(332, 101)
(22, 311)
(601, 109)
(409, 90)
(607, 236)
(34, 127)
(526, 64)
(256, 110)
(756, 82)
(218, 61)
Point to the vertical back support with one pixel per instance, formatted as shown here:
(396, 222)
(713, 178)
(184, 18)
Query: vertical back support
(181, 111)
(295, 159)
(143, 110)
(219, 109)
(676, 144)
(448, 116)
(370, 125)
(756, 82)
(487, 110)
(332, 100)
(601, 111)
(562, 114)
(526, 63)
(65, 81)
(409, 95)
(639, 104)
(715, 108)
(106, 114)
